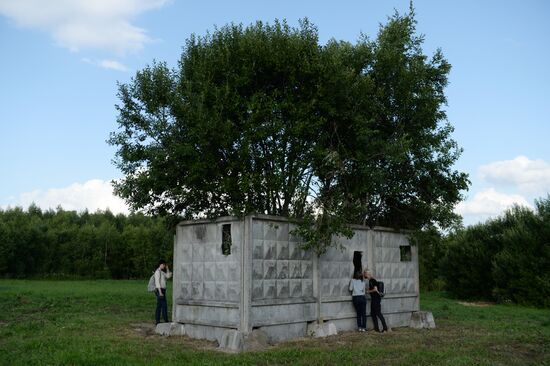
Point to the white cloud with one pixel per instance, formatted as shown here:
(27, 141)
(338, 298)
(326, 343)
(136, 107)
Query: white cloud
(85, 24)
(93, 195)
(113, 65)
(107, 64)
(488, 203)
(529, 176)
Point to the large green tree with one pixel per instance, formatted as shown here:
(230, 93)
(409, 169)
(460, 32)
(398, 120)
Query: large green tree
(264, 119)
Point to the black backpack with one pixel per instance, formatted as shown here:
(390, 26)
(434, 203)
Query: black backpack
(381, 288)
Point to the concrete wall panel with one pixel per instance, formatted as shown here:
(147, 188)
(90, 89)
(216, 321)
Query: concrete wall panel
(278, 333)
(207, 315)
(282, 314)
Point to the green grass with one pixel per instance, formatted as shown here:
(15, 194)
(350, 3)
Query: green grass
(97, 323)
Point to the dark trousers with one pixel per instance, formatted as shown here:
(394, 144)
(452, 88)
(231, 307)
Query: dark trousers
(162, 306)
(376, 312)
(360, 304)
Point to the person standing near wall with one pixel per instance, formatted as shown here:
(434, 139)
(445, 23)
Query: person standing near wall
(375, 303)
(357, 288)
(161, 275)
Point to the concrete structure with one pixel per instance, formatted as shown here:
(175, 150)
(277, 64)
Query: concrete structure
(233, 276)
(422, 319)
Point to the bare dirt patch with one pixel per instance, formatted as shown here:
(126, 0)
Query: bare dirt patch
(143, 329)
(519, 352)
(480, 304)
(147, 330)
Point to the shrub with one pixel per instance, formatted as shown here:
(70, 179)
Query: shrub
(502, 259)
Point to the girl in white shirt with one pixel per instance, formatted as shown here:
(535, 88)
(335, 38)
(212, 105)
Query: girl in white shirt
(357, 288)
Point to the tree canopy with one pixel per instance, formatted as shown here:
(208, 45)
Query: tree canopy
(265, 119)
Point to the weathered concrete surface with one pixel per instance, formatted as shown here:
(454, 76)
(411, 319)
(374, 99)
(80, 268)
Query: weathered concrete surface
(170, 329)
(321, 330)
(283, 332)
(177, 329)
(422, 319)
(233, 340)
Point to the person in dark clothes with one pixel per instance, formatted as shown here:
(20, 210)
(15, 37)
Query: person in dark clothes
(375, 300)
(357, 288)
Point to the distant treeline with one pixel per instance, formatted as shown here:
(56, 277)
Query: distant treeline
(64, 244)
(504, 259)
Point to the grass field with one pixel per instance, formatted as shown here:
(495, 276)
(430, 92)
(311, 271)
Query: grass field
(102, 323)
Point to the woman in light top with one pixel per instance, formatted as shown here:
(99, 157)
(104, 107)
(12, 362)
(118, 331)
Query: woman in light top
(161, 274)
(357, 288)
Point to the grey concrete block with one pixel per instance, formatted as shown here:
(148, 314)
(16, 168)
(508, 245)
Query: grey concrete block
(231, 340)
(422, 319)
(163, 329)
(177, 329)
(170, 329)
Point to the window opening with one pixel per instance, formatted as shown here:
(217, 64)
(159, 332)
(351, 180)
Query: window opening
(357, 264)
(226, 239)
(405, 252)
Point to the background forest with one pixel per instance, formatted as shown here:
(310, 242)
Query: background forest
(66, 244)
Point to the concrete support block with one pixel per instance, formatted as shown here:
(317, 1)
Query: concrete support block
(321, 330)
(422, 319)
(231, 340)
(177, 329)
(163, 329)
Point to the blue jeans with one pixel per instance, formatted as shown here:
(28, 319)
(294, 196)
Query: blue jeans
(360, 304)
(162, 306)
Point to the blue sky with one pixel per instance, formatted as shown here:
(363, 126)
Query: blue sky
(61, 60)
